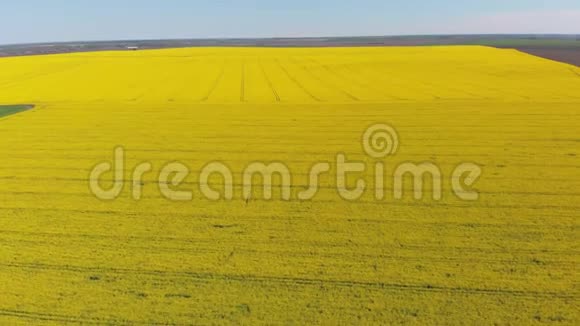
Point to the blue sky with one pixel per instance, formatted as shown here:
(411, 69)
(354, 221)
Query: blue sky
(69, 20)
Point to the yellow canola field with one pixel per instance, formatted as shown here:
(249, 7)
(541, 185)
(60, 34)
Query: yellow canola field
(511, 257)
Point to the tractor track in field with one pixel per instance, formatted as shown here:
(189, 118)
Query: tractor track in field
(33, 76)
(60, 318)
(153, 247)
(214, 84)
(349, 79)
(243, 83)
(330, 85)
(297, 83)
(269, 81)
(483, 206)
(298, 281)
(345, 244)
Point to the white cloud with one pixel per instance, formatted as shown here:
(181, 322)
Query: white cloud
(547, 22)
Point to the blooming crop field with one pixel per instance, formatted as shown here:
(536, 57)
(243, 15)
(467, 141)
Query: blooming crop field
(68, 256)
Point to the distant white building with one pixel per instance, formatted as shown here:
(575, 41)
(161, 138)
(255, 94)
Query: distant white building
(132, 48)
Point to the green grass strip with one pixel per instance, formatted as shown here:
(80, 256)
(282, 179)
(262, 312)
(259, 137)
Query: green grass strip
(6, 110)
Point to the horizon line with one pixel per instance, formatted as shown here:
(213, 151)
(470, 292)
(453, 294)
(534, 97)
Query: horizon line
(568, 35)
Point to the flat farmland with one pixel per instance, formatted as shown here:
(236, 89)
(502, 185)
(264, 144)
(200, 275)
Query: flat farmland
(510, 257)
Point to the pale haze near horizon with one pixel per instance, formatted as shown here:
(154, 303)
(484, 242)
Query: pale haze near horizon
(31, 21)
